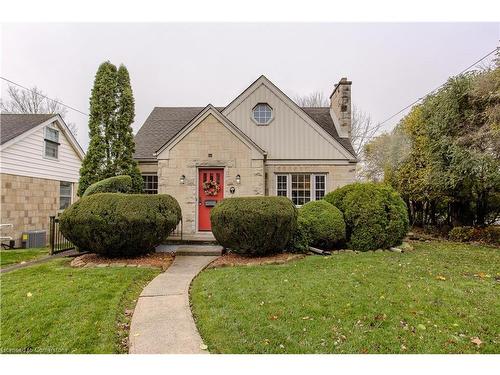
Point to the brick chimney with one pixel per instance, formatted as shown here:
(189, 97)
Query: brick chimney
(340, 107)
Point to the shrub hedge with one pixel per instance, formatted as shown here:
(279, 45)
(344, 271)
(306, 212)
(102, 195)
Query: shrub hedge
(489, 235)
(301, 238)
(375, 215)
(116, 225)
(116, 184)
(254, 225)
(324, 222)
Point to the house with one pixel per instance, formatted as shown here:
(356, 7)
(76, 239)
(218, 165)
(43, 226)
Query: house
(262, 143)
(39, 169)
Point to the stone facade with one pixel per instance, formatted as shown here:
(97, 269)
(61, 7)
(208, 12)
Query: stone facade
(27, 203)
(340, 104)
(209, 144)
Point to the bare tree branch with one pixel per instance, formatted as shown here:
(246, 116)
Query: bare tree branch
(314, 99)
(33, 101)
(362, 129)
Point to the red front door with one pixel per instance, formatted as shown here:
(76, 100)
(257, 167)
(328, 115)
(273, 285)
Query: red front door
(210, 192)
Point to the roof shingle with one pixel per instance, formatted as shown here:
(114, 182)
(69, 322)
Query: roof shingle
(13, 125)
(165, 122)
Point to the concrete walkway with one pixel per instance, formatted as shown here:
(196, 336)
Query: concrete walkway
(162, 322)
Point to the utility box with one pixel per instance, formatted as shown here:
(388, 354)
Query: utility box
(34, 238)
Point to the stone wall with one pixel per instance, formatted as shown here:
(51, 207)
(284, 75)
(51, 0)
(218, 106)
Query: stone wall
(210, 144)
(27, 203)
(336, 175)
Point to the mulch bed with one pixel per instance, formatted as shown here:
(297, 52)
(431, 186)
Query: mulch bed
(158, 260)
(231, 259)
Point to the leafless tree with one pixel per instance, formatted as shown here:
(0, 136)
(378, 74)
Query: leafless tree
(314, 99)
(33, 101)
(362, 130)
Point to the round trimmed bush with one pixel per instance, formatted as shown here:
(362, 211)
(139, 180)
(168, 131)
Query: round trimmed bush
(117, 225)
(254, 225)
(375, 215)
(116, 184)
(325, 223)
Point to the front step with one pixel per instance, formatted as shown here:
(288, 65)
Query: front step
(206, 250)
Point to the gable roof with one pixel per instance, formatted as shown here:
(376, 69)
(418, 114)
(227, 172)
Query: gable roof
(13, 125)
(211, 110)
(165, 122)
(321, 115)
(160, 127)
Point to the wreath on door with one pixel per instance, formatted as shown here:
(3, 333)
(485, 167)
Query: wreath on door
(211, 187)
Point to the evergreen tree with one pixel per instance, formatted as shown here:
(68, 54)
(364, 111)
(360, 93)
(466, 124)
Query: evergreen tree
(124, 145)
(111, 146)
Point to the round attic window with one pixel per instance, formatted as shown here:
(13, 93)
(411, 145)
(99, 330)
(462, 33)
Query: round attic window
(262, 113)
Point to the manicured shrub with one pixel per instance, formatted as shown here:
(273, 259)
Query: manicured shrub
(301, 238)
(325, 224)
(489, 235)
(115, 225)
(117, 184)
(254, 225)
(375, 215)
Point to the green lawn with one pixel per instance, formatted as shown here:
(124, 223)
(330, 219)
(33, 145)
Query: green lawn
(433, 299)
(53, 308)
(10, 257)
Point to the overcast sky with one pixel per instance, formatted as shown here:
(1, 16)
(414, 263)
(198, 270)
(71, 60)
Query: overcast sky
(195, 64)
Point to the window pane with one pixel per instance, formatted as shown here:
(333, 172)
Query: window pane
(320, 187)
(150, 183)
(301, 189)
(52, 134)
(262, 113)
(64, 194)
(51, 149)
(282, 186)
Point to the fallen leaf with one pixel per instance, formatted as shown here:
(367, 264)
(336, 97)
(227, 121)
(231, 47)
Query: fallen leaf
(29, 294)
(266, 341)
(380, 317)
(282, 346)
(439, 277)
(476, 341)
(305, 318)
(421, 326)
(203, 347)
(274, 317)
(136, 334)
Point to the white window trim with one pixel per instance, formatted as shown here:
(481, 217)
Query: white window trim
(289, 184)
(45, 140)
(262, 123)
(66, 196)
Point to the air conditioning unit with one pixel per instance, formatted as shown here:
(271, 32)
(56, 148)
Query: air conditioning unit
(34, 238)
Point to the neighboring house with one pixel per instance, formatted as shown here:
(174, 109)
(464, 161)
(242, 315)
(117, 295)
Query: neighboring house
(39, 170)
(262, 143)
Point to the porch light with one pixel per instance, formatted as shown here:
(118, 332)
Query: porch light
(238, 179)
(183, 179)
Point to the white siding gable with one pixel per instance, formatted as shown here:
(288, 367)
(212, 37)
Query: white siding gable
(26, 157)
(290, 135)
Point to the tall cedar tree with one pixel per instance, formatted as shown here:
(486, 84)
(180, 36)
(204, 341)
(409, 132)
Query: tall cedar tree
(111, 146)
